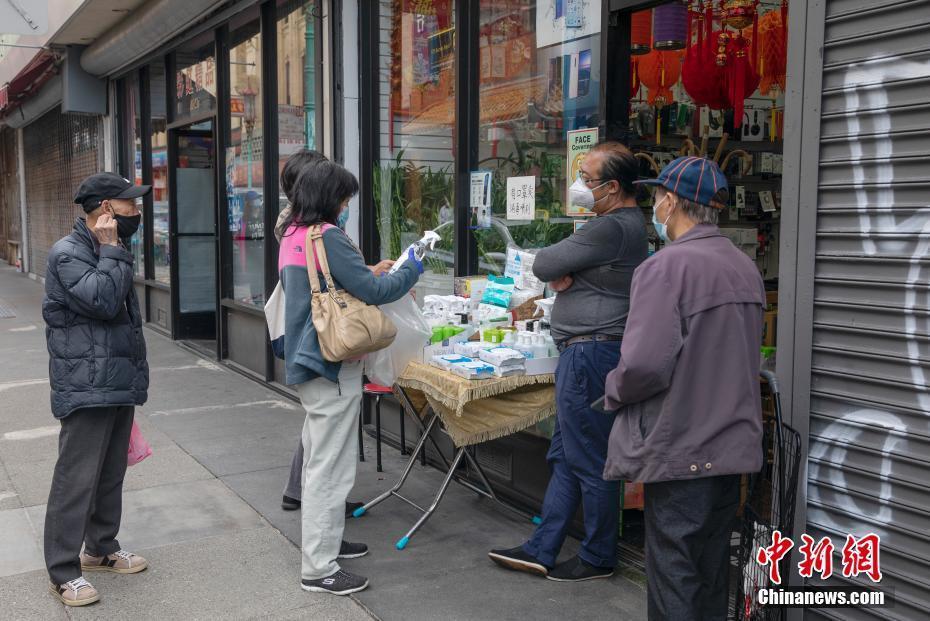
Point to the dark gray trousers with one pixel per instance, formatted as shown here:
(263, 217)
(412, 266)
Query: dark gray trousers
(294, 487)
(688, 529)
(86, 500)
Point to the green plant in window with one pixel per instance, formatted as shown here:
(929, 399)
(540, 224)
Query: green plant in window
(409, 199)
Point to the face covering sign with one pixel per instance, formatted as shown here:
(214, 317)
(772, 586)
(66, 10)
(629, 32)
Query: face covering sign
(580, 142)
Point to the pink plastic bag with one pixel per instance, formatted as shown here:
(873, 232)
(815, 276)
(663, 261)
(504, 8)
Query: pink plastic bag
(139, 449)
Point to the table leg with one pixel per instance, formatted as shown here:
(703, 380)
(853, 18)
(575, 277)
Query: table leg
(403, 541)
(400, 482)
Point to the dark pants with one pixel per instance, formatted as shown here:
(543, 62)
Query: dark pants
(86, 501)
(688, 528)
(294, 487)
(576, 458)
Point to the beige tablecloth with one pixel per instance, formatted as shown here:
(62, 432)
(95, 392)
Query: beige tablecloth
(475, 411)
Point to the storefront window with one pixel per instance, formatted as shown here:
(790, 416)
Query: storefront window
(195, 81)
(244, 177)
(160, 255)
(414, 177)
(296, 81)
(539, 82)
(137, 243)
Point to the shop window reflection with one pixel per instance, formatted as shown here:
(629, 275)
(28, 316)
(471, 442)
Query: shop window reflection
(244, 171)
(137, 243)
(414, 180)
(297, 81)
(160, 255)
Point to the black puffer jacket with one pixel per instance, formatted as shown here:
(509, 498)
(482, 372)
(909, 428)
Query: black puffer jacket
(93, 326)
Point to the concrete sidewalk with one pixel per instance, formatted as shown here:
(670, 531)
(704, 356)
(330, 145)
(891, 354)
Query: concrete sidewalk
(205, 510)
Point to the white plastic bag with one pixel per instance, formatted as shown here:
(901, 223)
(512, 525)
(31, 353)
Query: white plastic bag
(413, 333)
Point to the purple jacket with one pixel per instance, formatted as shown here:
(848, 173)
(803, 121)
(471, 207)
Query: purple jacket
(687, 386)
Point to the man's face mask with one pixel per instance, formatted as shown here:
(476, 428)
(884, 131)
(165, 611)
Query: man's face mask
(583, 196)
(661, 227)
(126, 226)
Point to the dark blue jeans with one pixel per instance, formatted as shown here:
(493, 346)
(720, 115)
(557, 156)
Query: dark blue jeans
(576, 458)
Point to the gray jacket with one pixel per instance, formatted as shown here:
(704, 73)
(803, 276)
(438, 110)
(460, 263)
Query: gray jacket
(687, 386)
(93, 326)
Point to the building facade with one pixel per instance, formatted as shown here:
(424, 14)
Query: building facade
(826, 159)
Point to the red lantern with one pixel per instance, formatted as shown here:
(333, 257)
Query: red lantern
(641, 32)
(700, 75)
(772, 60)
(660, 71)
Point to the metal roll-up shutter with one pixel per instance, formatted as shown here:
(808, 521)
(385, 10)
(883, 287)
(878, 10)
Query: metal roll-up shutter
(869, 456)
(59, 150)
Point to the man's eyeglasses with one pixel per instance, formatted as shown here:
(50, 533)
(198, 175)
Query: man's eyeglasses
(586, 179)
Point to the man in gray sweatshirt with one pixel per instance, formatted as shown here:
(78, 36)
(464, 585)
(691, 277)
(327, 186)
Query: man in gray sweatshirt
(592, 271)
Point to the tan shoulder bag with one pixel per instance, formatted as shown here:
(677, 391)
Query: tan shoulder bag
(345, 326)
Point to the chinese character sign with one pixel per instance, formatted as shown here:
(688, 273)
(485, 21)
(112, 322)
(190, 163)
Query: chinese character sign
(521, 198)
(859, 556)
(773, 554)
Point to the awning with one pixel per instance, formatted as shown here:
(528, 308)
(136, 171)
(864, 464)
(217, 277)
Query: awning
(28, 81)
(142, 32)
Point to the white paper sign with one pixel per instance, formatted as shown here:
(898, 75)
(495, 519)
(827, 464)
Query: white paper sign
(480, 202)
(521, 198)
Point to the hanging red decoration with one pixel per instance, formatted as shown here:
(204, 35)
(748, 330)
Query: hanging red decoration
(659, 72)
(700, 75)
(739, 75)
(738, 13)
(772, 60)
(641, 32)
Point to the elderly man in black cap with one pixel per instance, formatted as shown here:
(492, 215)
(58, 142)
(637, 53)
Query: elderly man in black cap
(98, 374)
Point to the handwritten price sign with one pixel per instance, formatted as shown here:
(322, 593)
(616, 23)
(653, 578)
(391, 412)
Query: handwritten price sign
(521, 198)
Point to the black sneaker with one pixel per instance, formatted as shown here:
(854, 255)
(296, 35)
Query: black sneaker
(352, 550)
(576, 570)
(340, 583)
(292, 504)
(517, 559)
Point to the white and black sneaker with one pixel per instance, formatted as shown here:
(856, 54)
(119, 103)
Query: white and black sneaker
(352, 550)
(340, 583)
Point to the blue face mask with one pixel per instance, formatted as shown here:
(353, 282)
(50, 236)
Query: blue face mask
(661, 227)
(343, 219)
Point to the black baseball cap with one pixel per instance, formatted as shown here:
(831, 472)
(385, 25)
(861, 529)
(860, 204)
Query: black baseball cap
(105, 186)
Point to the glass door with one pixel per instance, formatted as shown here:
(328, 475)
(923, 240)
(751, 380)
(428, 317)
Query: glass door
(194, 230)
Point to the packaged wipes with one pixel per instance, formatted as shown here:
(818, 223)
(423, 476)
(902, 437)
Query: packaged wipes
(474, 369)
(502, 356)
(470, 348)
(498, 292)
(445, 361)
(516, 369)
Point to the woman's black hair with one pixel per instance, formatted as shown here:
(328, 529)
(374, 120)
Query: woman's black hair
(292, 167)
(620, 165)
(319, 193)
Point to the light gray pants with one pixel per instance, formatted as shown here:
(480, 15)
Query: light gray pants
(330, 462)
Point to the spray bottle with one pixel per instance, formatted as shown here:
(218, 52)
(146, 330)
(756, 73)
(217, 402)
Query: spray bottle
(419, 247)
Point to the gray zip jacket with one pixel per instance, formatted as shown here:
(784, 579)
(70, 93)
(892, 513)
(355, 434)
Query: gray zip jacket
(687, 386)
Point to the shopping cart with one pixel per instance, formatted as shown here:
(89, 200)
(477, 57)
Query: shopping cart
(769, 507)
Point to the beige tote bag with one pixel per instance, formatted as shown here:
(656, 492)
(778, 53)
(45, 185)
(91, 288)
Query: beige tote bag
(345, 326)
